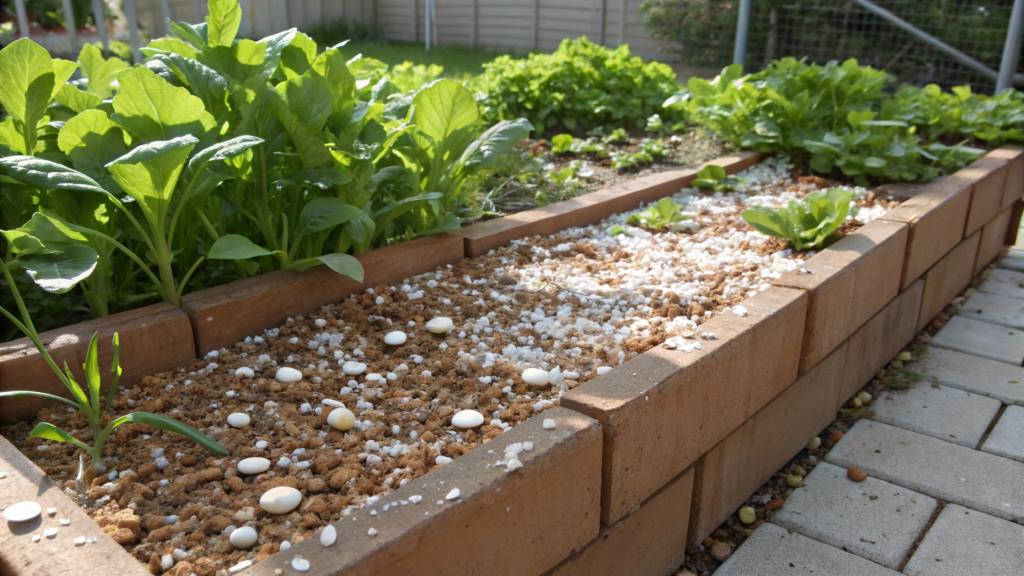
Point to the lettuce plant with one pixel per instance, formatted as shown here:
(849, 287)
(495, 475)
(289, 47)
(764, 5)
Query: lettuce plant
(663, 215)
(808, 224)
(57, 257)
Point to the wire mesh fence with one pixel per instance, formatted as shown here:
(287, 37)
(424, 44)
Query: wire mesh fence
(703, 32)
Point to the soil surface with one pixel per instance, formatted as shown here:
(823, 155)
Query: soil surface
(573, 304)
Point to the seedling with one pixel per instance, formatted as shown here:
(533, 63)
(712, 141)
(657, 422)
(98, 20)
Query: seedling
(663, 215)
(714, 177)
(808, 224)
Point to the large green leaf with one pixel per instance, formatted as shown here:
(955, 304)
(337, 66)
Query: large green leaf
(343, 264)
(225, 16)
(236, 247)
(149, 172)
(101, 72)
(27, 82)
(76, 99)
(498, 141)
(321, 214)
(171, 425)
(203, 81)
(444, 108)
(59, 273)
(150, 108)
(47, 175)
(48, 431)
(91, 371)
(223, 150)
(91, 140)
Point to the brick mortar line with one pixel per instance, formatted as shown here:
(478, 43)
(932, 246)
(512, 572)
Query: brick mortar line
(991, 426)
(941, 505)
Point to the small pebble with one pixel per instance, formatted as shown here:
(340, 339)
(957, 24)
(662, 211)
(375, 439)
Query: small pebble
(238, 419)
(287, 375)
(549, 424)
(442, 460)
(328, 536)
(64, 522)
(243, 538)
(253, 465)
(602, 370)
(747, 515)
(280, 499)
(905, 356)
(50, 532)
(865, 397)
(794, 481)
(467, 419)
(440, 325)
(536, 377)
(372, 532)
(79, 540)
(242, 566)
(856, 474)
(341, 419)
(353, 368)
(721, 551)
(814, 443)
(453, 494)
(395, 338)
(51, 512)
(22, 511)
(245, 372)
(300, 564)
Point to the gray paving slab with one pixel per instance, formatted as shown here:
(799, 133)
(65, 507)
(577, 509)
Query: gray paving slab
(982, 339)
(873, 519)
(1014, 260)
(965, 542)
(941, 469)
(999, 380)
(943, 412)
(1007, 438)
(774, 551)
(1006, 282)
(995, 308)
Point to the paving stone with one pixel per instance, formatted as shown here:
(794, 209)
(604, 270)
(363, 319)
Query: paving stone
(965, 542)
(982, 339)
(1014, 260)
(935, 467)
(1007, 438)
(995, 309)
(946, 413)
(998, 380)
(1005, 282)
(874, 519)
(774, 551)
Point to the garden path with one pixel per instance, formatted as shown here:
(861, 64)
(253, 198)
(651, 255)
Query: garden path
(944, 493)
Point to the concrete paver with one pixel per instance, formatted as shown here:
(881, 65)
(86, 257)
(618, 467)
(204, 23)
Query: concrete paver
(873, 519)
(1007, 438)
(935, 467)
(982, 339)
(963, 542)
(1005, 282)
(998, 380)
(1014, 260)
(945, 413)
(774, 551)
(995, 308)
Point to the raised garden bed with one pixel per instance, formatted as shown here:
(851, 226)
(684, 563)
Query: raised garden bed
(657, 418)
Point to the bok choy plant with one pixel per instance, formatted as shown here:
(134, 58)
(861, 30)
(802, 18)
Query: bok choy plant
(57, 257)
(808, 224)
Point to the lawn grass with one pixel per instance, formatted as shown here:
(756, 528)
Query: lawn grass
(457, 61)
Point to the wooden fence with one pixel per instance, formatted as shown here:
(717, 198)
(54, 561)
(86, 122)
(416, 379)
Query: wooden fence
(504, 25)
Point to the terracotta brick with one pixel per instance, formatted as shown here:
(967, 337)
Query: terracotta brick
(650, 541)
(663, 409)
(947, 279)
(483, 237)
(504, 523)
(1014, 157)
(848, 283)
(225, 314)
(153, 339)
(993, 239)
(989, 175)
(740, 464)
(880, 340)
(19, 556)
(936, 215)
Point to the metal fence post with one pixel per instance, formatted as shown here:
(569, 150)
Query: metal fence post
(535, 24)
(100, 15)
(1011, 50)
(132, 16)
(475, 36)
(69, 26)
(168, 15)
(19, 8)
(739, 53)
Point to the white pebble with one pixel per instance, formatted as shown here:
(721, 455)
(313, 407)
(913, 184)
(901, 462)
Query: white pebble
(64, 522)
(395, 338)
(549, 424)
(166, 562)
(536, 377)
(79, 540)
(467, 419)
(262, 444)
(442, 460)
(22, 511)
(253, 465)
(238, 419)
(243, 538)
(287, 375)
(239, 567)
(50, 532)
(415, 498)
(440, 325)
(245, 372)
(353, 368)
(280, 500)
(453, 494)
(371, 532)
(300, 564)
(341, 419)
(328, 536)
(602, 370)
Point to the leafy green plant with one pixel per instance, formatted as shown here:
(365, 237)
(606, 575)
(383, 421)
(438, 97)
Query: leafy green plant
(714, 177)
(807, 224)
(663, 215)
(646, 154)
(562, 143)
(580, 86)
(56, 257)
